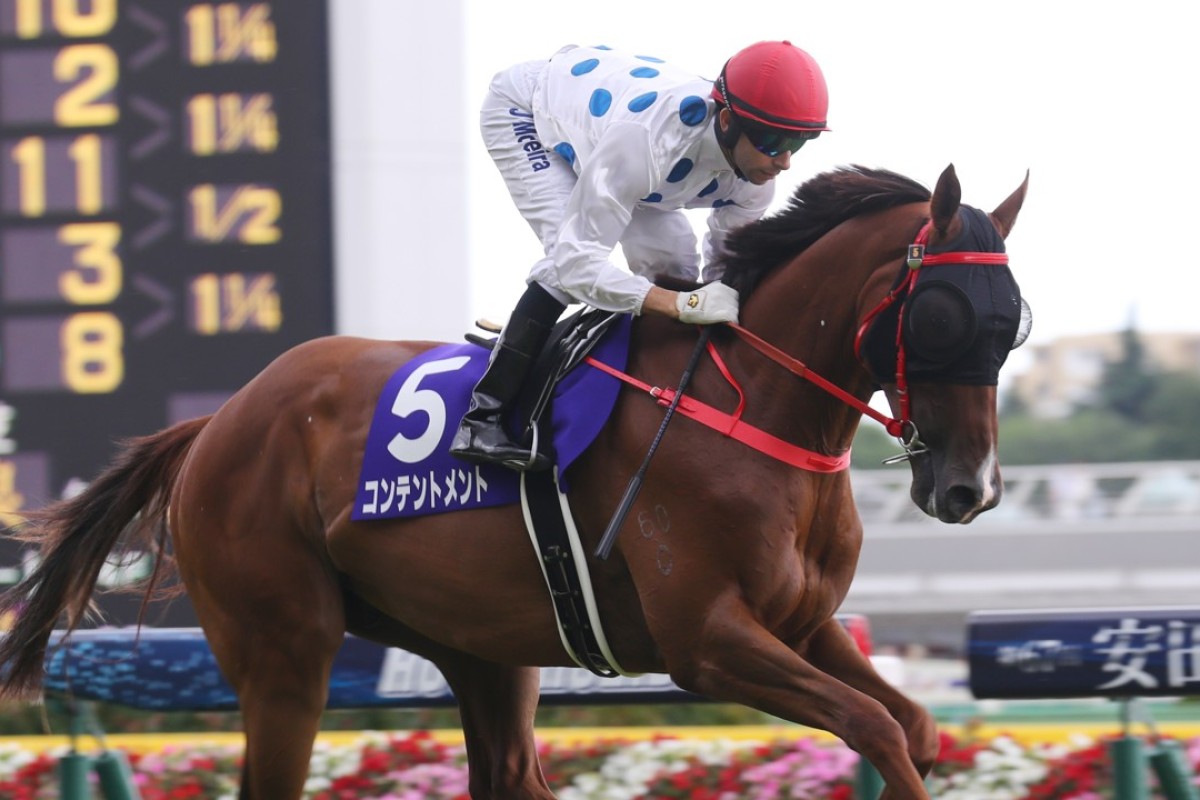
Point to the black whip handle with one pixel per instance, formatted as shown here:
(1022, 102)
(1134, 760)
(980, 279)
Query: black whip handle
(635, 483)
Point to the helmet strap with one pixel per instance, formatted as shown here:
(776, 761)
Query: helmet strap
(728, 136)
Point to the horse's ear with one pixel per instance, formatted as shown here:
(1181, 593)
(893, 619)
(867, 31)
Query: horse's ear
(946, 198)
(1005, 214)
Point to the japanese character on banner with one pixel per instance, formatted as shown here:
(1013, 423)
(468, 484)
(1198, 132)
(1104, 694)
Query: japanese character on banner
(452, 479)
(435, 490)
(461, 484)
(428, 492)
(1128, 649)
(1183, 653)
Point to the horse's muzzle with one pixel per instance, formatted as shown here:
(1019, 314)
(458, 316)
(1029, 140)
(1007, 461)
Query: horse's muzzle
(963, 499)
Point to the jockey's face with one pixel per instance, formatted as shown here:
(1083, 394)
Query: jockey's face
(758, 167)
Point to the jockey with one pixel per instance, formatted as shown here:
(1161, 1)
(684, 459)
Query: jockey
(599, 148)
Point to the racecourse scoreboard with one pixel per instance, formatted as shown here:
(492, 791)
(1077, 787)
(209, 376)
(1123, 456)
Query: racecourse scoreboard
(164, 219)
(164, 192)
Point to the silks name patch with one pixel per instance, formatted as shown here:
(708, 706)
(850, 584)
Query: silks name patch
(407, 468)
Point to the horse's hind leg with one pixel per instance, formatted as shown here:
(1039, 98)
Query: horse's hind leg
(498, 704)
(282, 692)
(272, 612)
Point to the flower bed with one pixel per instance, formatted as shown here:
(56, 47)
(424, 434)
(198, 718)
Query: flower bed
(416, 767)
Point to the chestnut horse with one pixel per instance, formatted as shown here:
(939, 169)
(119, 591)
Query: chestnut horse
(726, 575)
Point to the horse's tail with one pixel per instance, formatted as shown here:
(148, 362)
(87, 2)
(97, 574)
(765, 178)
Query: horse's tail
(75, 537)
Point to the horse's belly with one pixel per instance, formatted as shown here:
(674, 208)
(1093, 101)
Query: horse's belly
(470, 581)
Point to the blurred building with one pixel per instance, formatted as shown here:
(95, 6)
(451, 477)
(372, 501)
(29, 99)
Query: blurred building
(1067, 371)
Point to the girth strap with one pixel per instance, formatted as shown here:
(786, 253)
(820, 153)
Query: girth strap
(555, 539)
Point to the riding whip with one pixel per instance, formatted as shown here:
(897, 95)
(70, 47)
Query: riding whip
(635, 483)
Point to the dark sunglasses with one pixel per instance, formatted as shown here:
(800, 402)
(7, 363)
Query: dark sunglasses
(772, 143)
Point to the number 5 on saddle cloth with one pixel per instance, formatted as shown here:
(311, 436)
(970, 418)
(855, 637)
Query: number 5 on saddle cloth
(407, 467)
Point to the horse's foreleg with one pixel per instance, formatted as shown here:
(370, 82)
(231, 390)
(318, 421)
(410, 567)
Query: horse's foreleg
(498, 704)
(832, 650)
(733, 658)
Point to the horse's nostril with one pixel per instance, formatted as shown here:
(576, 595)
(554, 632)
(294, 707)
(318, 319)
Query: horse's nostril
(962, 500)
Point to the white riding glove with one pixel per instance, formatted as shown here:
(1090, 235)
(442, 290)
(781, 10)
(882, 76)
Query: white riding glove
(715, 302)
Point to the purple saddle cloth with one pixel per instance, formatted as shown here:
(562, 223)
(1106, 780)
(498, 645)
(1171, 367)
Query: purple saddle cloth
(407, 469)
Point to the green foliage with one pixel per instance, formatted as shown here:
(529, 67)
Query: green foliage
(1089, 436)
(1128, 383)
(871, 446)
(1152, 419)
(1173, 408)
(702, 713)
(1139, 413)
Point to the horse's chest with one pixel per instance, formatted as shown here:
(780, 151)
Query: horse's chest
(803, 583)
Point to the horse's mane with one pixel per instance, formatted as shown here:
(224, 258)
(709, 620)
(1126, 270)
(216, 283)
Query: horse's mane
(818, 206)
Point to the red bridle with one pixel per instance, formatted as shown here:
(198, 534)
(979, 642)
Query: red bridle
(916, 259)
(904, 429)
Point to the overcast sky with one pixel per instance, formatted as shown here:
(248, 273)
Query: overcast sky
(1098, 100)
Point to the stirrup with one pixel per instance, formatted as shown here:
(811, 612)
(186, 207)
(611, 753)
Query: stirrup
(474, 451)
(536, 461)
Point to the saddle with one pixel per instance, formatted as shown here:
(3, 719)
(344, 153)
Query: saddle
(569, 343)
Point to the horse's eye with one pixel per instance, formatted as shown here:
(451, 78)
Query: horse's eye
(939, 322)
(1025, 326)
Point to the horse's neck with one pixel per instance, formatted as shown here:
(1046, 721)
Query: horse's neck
(811, 309)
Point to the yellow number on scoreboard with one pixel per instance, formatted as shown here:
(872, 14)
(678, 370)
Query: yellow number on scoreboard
(81, 105)
(97, 275)
(92, 357)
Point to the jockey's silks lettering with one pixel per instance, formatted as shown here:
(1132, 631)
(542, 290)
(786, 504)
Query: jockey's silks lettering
(526, 134)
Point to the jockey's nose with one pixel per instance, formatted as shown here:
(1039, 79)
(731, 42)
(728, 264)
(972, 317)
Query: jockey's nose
(783, 160)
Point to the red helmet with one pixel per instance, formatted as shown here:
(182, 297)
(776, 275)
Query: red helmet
(774, 84)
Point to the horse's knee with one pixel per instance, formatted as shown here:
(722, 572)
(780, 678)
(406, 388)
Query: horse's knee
(923, 741)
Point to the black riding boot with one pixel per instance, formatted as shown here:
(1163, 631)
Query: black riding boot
(481, 436)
